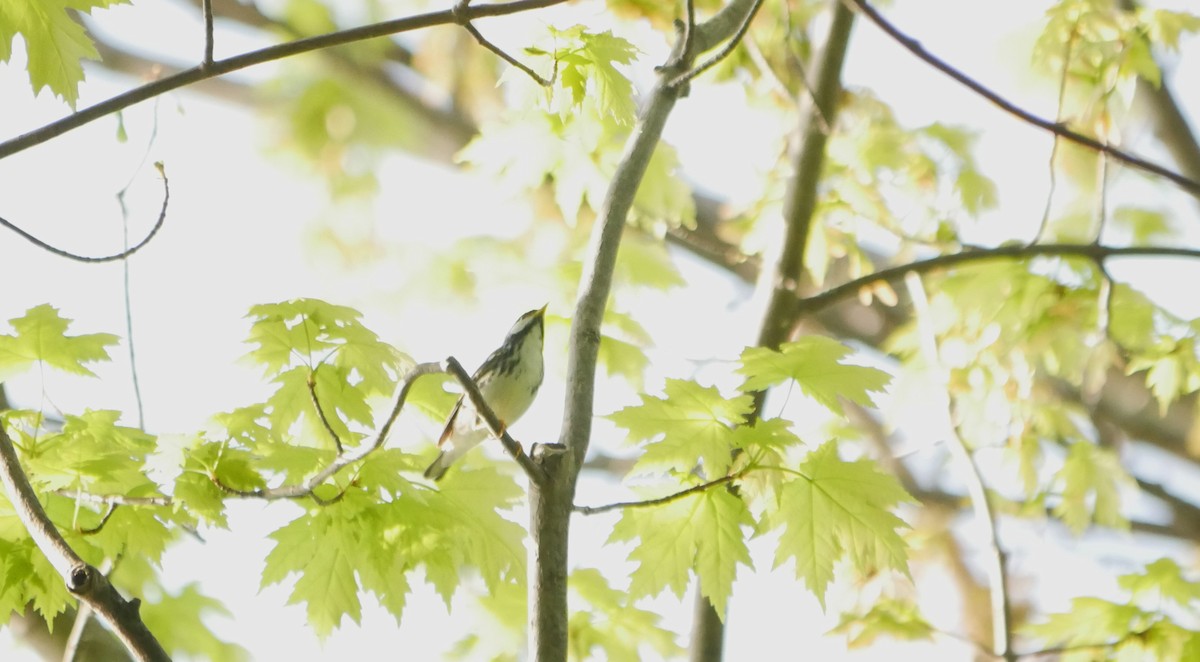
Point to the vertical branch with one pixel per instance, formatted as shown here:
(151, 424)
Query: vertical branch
(550, 503)
(984, 518)
(206, 7)
(780, 279)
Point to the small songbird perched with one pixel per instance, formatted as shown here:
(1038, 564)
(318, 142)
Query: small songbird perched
(508, 380)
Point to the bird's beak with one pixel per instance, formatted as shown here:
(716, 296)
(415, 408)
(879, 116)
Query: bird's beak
(542, 311)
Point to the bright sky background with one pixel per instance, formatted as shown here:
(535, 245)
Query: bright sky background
(237, 234)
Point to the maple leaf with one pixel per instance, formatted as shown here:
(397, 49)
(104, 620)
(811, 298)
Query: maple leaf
(839, 509)
(41, 338)
(814, 363)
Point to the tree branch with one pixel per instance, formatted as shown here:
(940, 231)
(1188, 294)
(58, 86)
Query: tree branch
(85, 582)
(268, 54)
(674, 496)
(162, 217)
(1096, 252)
(913, 46)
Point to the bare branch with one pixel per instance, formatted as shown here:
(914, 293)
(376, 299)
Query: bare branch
(84, 581)
(730, 46)
(312, 391)
(913, 46)
(249, 59)
(206, 8)
(462, 19)
(495, 425)
(1095, 252)
(675, 496)
(162, 217)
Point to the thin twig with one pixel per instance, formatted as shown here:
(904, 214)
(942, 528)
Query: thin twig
(1058, 112)
(461, 17)
(108, 513)
(260, 56)
(83, 614)
(494, 424)
(1058, 129)
(162, 217)
(730, 46)
(1094, 252)
(675, 496)
(206, 7)
(312, 391)
(128, 299)
(985, 519)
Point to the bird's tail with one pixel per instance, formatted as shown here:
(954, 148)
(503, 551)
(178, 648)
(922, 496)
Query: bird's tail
(439, 466)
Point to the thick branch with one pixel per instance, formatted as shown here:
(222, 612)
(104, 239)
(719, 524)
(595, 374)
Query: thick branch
(84, 581)
(269, 54)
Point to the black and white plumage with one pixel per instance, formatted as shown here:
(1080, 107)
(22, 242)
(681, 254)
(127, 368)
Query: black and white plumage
(508, 380)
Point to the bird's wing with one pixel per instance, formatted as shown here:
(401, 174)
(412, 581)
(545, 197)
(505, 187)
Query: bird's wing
(449, 429)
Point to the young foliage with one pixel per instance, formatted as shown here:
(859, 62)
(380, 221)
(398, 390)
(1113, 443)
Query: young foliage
(689, 423)
(815, 364)
(886, 618)
(605, 624)
(834, 509)
(55, 43)
(703, 533)
(41, 338)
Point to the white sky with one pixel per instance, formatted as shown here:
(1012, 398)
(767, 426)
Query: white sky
(235, 236)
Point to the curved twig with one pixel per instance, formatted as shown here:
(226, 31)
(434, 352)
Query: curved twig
(674, 496)
(730, 46)
(162, 217)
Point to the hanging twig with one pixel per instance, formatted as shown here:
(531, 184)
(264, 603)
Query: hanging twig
(162, 217)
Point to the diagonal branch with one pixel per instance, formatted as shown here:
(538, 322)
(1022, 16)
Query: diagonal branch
(260, 56)
(84, 581)
(913, 46)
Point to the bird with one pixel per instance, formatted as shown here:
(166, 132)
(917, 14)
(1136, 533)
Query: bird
(508, 380)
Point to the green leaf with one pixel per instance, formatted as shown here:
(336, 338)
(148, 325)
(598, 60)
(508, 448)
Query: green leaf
(839, 509)
(177, 620)
(1090, 621)
(699, 532)
(886, 618)
(55, 43)
(320, 546)
(41, 338)
(667, 549)
(605, 620)
(721, 544)
(1161, 579)
(690, 424)
(814, 362)
(1091, 477)
(587, 70)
